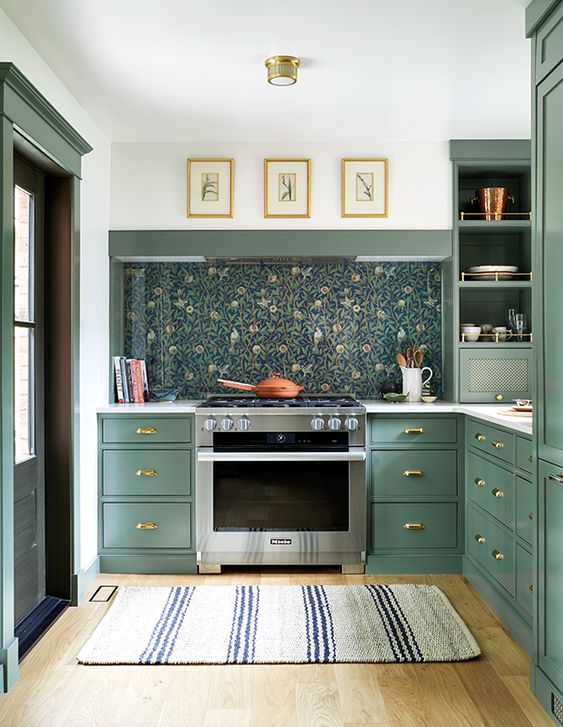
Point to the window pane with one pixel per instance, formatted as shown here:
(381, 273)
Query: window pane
(23, 392)
(23, 274)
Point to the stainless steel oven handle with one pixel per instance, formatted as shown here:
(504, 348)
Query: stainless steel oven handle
(208, 455)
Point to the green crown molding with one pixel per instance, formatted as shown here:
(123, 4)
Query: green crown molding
(479, 149)
(11, 76)
(537, 12)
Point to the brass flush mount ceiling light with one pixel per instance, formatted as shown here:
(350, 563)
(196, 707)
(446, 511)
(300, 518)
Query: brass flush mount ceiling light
(282, 70)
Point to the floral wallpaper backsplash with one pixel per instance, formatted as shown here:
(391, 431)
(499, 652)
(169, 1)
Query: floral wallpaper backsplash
(333, 327)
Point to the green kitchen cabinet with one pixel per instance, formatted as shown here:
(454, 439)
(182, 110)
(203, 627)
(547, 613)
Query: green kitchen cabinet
(495, 374)
(146, 493)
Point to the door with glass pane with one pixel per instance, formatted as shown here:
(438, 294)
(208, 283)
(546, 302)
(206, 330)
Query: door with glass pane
(29, 494)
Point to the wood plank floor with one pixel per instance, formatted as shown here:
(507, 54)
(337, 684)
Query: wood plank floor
(55, 691)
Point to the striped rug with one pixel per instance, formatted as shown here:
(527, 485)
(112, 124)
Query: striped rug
(279, 624)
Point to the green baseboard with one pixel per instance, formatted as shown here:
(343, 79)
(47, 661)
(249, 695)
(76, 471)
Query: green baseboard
(405, 564)
(544, 691)
(179, 564)
(520, 629)
(9, 668)
(82, 581)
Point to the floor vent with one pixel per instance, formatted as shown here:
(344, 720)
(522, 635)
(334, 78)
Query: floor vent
(557, 708)
(102, 594)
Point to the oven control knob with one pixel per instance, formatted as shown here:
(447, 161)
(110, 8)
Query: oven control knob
(317, 423)
(227, 423)
(243, 423)
(210, 423)
(334, 423)
(351, 424)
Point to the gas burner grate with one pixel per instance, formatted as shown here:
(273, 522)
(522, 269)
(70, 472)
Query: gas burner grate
(239, 402)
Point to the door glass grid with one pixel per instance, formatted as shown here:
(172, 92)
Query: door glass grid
(24, 325)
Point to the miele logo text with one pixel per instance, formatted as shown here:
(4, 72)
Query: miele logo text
(280, 541)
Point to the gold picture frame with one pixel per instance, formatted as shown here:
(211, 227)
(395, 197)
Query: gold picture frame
(365, 187)
(210, 187)
(287, 188)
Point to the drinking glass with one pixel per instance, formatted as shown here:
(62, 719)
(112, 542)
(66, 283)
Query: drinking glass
(521, 326)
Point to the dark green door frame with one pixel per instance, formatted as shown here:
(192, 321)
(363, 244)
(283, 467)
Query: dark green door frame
(23, 110)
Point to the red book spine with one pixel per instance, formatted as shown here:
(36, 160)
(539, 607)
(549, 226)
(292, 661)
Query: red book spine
(139, 376)
(134, 382)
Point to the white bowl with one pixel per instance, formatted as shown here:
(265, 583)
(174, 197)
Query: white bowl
(471, 329)
(471, 334)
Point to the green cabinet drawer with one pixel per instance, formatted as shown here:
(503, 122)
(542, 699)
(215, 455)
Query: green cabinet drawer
(146, 429)
(413, 472)
(146, 472)
(413, 430)
(491, 375)
(121, 525)
(525, 509)
(524, 578)
(495, 442)
(524, 456)
(432, 525)
(492, 547)
(549, 41)
(491, 487)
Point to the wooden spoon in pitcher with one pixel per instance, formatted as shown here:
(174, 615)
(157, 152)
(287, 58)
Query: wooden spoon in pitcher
(401, 360)
(418, 356)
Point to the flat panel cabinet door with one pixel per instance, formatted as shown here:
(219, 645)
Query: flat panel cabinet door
(550, 583)
(550, 237)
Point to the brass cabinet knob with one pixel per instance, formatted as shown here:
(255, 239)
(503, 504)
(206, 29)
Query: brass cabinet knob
(480, 437)
(413, 430)
(146, 526)
(497, 443)
(496, 492)
(480, 538)
(530, 516)
(413, 473)
(499, 397)
(414, 526)
(497, 555)
(146, 430)
(530, 458)
(531, 588)
(479, 481)
(146, 473)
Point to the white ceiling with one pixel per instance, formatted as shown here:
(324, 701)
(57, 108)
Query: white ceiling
(177, 70)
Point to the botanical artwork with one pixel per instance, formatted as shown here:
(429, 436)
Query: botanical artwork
(287, 187)
(209, 187)
(364, 187)
(333, 327)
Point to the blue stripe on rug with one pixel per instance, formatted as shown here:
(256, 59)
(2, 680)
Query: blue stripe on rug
(412, 640)
(399, 624)
(174, 614)
(323, 640)
(255, 624)
(162, 623)
(182, 610)
(330, 623)
(388, 625)
(306, 609)
(233, 625)
(156, 629)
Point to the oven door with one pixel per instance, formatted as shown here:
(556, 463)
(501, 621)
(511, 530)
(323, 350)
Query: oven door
(281, 507)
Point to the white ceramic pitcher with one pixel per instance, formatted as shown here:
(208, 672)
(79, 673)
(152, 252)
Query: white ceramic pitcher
(413, 383)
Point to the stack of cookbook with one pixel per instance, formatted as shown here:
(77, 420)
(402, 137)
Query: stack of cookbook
(131, 382)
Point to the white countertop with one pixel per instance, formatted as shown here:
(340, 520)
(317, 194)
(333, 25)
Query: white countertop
(486, 412)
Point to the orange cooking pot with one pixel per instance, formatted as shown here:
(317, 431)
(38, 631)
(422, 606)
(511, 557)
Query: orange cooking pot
(272, 388)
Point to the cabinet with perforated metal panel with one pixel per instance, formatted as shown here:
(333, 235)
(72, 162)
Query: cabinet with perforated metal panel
(489, 375)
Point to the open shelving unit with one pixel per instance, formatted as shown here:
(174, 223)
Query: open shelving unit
(490, 369)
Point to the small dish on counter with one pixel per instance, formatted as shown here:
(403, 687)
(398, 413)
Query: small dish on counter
(395, 398)
(428, 399)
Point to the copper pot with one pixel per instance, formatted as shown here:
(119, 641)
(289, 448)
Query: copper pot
(272, 388)
(492, 201)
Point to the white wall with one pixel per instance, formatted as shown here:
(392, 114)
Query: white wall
(94, 280)
(148, 184)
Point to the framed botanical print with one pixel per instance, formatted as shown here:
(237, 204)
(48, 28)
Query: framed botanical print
(364, 188)
(287, 188)
(210, 187)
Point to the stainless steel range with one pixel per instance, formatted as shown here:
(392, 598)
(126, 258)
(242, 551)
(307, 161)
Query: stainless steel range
(281, 481)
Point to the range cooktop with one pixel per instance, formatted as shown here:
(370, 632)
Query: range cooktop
(244, 402)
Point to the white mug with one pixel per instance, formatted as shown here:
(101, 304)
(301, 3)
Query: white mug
(413, 383)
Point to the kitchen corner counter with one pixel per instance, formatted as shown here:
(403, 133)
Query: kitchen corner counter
(183, 406)
(485, 412)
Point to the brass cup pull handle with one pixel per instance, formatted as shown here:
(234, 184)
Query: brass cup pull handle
(146, 526)
(497, 555)
(413, 473)
(146, 430)
(497, 443)
(414, 526)
(530, 516)
(480, 538)
(413, 430)
(531, 588)
(479, 481)
(146, 473)
(480, 437)
(496, 492)
(556, 478)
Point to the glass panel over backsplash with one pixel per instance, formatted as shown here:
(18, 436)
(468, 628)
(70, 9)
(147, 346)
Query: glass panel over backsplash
(333, 327)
